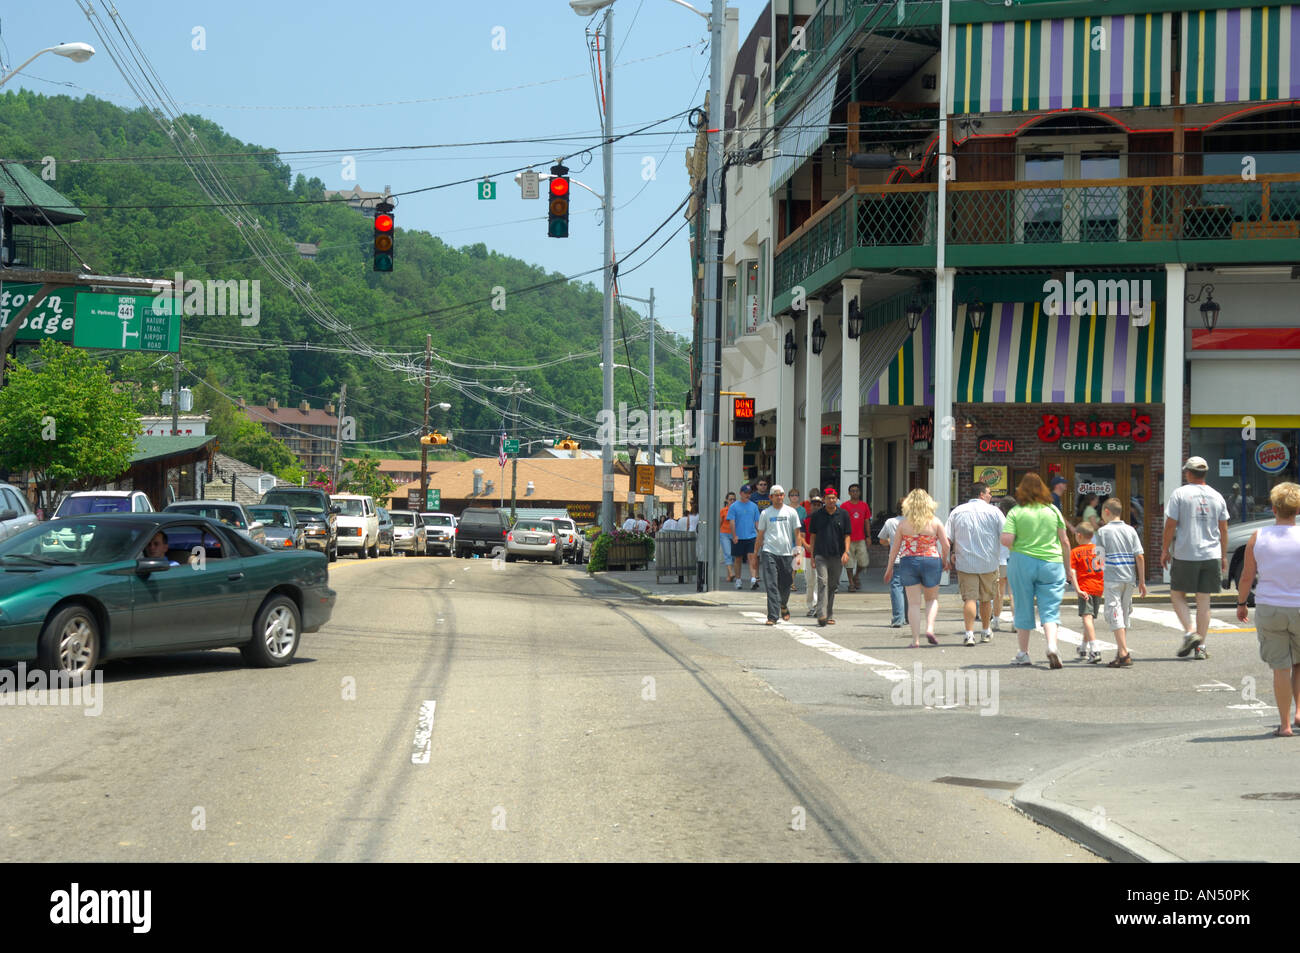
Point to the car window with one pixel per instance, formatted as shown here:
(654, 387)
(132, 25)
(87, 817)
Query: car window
(351, 507)
(298, 502)
(534, 526)
(12, 501)
(76, 541)
(403, 519)
(82, 505)
(269, 516)
(141, 505)
(438, 520)
(183, 539)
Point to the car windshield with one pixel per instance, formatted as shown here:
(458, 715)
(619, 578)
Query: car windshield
(438, 520)
(229, 515)
(81, 505)
(298, 502)
(72, 542)
(269, 515)
(534, 526)
(403, 519)
(351, 507)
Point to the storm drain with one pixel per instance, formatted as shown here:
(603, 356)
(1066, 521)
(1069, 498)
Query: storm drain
(981, 783)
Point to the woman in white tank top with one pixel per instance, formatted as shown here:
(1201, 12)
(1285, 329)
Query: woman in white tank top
(1273, 554)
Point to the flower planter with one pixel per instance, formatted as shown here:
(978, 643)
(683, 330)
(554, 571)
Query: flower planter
(628, 555)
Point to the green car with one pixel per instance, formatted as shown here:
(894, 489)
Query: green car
(91, 588)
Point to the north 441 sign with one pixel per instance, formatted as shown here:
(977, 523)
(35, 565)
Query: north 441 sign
(127, 323)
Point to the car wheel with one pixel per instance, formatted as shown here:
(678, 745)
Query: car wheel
(374, 550)
(70, 642)
(361, 553)
(333, 554)
(558, 560)
(275, 634)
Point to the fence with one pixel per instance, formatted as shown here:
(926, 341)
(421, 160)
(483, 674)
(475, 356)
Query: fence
(675, 554)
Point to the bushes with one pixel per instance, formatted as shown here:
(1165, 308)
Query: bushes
(601, 547)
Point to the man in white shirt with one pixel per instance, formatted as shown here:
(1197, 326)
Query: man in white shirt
(897, 595)
(669, 524)
(778, 531)
(975, 529)
(629, 524)
(693, 521)
(1195, 550)
(642, 525)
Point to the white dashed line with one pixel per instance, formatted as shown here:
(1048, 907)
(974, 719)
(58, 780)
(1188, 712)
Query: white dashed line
(811, 639)
(424, 734)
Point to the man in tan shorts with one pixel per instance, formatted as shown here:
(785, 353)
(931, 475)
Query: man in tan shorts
(975, 529)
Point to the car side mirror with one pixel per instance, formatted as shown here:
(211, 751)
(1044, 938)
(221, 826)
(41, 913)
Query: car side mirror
(144, 566)
(6, 515)
(336, 509)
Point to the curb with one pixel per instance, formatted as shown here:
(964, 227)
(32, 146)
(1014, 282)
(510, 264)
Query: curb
(648, 596)
(1098, 833)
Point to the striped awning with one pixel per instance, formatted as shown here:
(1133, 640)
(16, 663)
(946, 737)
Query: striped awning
(909, 378)
(1234, 56)
(1024, 355)
(805, 132)
(1088, 62)
(880, 349)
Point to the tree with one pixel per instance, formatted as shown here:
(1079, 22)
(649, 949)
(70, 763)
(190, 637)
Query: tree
(363, 478)
(63, 419)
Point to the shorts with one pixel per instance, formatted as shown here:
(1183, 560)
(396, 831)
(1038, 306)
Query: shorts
(742, 548)
(1118, 601)
(1278, 631)
(977, 586)
(920, 571)
(1089, 606)
(858, 556)
(1195, 575)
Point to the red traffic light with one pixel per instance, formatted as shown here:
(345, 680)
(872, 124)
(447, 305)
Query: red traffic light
(559, 186)
(383, 223)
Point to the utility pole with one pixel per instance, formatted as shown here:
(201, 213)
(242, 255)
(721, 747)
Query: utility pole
(176, 393)
(607, 334)
(424, 447)
(338, 439)
(650, 501)
(515, 389)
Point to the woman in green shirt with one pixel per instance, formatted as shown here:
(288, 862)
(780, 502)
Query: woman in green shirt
(1039, 564)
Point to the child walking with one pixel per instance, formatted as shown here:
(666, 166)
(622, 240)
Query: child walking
(1123, 568)
(1088, 568)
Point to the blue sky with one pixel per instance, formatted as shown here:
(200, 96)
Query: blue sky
(339, 55)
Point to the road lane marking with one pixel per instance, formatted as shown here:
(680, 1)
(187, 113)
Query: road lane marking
(811, 639)
(424, 733)
(1169, 618)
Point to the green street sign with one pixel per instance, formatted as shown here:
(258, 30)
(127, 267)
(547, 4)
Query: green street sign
(127, 323)
(52, 318)
(487, 189)
(512, 446)
(433, 501)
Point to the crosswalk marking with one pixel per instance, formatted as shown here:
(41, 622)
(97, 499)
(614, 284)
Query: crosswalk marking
(811, 639)
(1169, 618)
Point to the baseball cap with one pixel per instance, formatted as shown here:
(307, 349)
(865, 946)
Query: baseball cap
(1057, 480)
(778, 488)
(1196, 465)
(830, 491)
(745, 488)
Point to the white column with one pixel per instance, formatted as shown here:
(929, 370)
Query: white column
(1175, 359)
(812, 446)
(850, 369)
(941, 476)
(787, 408)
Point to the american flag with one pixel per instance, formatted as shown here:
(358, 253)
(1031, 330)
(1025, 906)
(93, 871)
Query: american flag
(501, 455)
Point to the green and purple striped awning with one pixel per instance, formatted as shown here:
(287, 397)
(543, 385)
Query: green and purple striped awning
(1079, 62)
(1234, 56)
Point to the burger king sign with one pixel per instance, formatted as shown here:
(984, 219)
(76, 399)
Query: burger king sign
(1272, 456)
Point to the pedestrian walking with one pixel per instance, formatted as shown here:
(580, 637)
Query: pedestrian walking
(778, 534)
(830, 545)
(1087, 568)
(1039, 565)
(859, 513)
(922, 551)
(1006, 504)
(760, 496)
(1058, 481)
(1195, 550)
(810, 565)
(1273, 558)
(724, 534)
(975, 531)
(1123, 567)
(744, 528)
(897, 594)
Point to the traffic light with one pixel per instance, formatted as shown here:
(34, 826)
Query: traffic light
(384, 237)
(743, 422)
(567, 444)
(435, 437)
(557, 225)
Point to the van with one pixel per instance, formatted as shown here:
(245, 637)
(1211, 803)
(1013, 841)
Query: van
(358, 524)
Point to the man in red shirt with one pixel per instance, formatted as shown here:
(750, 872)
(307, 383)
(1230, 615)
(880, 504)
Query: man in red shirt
(859, 514)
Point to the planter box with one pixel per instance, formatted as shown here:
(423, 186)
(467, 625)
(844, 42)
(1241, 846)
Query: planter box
(626, 555)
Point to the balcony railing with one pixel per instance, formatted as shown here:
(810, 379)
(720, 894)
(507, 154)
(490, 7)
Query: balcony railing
(40, 252)
(820, 37)
(1111, 218)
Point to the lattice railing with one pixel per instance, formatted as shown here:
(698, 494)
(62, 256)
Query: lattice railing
(818, 34)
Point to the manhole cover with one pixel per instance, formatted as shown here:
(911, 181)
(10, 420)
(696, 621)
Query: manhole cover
(1273, 796)
(981, 783)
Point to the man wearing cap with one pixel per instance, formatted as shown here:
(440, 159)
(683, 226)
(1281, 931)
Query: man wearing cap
(1195, 550)
(778, 532)
(810, 566)
(830, 545)
(1056, 482)
(743, 515)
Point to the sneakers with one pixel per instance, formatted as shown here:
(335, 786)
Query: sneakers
(1081, 652)
(1094, 658)
(1053, 660)
(754, 584)
(988, 635)
(1022, 658)
(970, 639)
(895, 625)
(997, 625)
(737, 584)
(812, 613)
(1190, 641)
(1200, 653)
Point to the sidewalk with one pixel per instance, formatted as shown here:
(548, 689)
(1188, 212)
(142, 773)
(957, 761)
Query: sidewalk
(1171, 799)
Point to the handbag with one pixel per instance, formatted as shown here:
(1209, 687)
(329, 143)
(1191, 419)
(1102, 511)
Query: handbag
(798, 560)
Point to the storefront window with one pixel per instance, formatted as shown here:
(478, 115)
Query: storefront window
(1245, 470)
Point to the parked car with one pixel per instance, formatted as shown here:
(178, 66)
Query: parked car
(71, 607)
(283, 531)
(1238, 536)
(440, 529)
(358, 524)
(386, 540)
(102, 501)
(410, 535)
(570, 538)
(15, 512)
(313, 509)
(534, 539)
(223, 511)
(481, 530)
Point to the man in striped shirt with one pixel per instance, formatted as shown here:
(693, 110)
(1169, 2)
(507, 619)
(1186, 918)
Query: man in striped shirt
(1119, 547)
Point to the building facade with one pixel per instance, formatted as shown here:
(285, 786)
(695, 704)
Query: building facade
(310, 433)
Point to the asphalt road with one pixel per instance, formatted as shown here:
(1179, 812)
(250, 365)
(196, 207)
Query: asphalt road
(466, 710)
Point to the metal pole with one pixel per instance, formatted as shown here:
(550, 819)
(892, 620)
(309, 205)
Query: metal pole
(943, 304)
(338, 438)
(607, 331)
(708, 502)
(514, 457)
(424, 447)
(651, 501)
(176, 393)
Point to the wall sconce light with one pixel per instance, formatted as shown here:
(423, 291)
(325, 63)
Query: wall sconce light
(855, 319)
(929, 81)
(791, 348)
(818, 336)
(1209, 307)
(914, 311)
(976, 311)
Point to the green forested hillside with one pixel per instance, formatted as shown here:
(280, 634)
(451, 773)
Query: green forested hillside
(147, 217)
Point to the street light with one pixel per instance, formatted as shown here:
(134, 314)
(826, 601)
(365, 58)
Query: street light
(77, 52)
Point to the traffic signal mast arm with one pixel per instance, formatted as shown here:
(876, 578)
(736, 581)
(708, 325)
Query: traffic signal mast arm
(544, 176)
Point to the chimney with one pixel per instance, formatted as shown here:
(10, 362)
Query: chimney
(272, 405)
(478, 482)
(304, 407)
(329, 409)
(243, 405)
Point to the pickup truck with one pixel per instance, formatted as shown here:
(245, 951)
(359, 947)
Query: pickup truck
(313, 509)
(481, 531)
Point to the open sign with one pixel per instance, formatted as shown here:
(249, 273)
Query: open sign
(997, 445)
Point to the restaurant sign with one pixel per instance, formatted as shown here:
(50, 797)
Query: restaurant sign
(1095, 436)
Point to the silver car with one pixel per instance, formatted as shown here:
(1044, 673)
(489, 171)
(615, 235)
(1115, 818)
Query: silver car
(15, 513)
(232, 514)
(1238, 536)
(534, 539)
(409, 534)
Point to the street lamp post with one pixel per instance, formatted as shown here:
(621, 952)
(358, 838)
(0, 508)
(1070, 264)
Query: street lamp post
(77, 52)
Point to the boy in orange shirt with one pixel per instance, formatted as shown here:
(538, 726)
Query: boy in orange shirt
(1088, 568)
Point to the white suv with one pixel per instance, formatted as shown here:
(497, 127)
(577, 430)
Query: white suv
(103, 501)
(358, 524)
